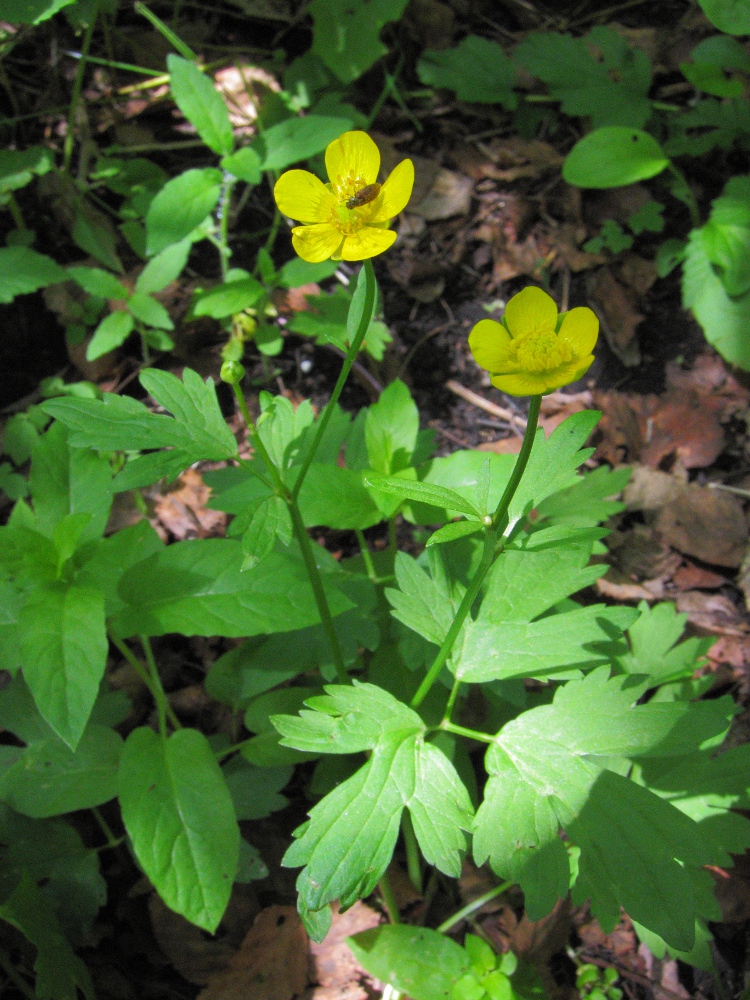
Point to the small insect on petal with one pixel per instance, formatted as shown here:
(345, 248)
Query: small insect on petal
(364, 196)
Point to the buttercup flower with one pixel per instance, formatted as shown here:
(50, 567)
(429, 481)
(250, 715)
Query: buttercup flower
(348, 218)
(533, 350)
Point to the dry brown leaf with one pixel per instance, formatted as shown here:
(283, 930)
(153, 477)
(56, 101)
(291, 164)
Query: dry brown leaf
(335, 970)
(626, 592)
(707, 524)
(618, 315)
(196, 957)
(692, 577)
(244, 88)
(431, 22)
(183, 511)
(271, 963)
(650, 489)
(637, 273)
(448, 195)
(711, 612)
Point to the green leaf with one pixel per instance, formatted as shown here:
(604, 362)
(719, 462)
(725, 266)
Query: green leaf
(297, 272)
(244, 165)
(708, 124)
(66, 480)
(269, 520)
(548, 765)
(201, 103)
(415, 960)
(59, 972)
(709, 60)
(179, 816)
(450, 532)
(423, 603)
(588, 501)
(230, 298)
(724, 318)
(336, 498)
(281, 428)
(599, 76)
(23, 270)
(52, 853)
(732, 16)
(113, 330)
(297, 139)
(95, 234)
(349, 839)
(32, 11)
(198, 588)
(510, 639)
(613, 157)
(408, 489)
(64, 651)
(181, 205)
(112, 556)
(97, 282)
(145, 308)
(255, 790)
(346, 36)
(164, 268)
(10, 607)
(18, 167)
(49, 779)
(391, 429)
(654, 647)
(478, 70)
(726, 236)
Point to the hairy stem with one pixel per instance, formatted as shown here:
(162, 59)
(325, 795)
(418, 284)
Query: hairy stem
(160, 697)
(488, 555)
(413, 859)
(349, 360)
(135, 663)
(76, 95)
(389, 900)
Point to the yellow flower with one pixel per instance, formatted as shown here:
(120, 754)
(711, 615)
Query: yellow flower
(348, 218)
(534, 351)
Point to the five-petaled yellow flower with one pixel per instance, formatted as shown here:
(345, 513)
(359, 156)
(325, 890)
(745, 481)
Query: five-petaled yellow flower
(533, 350)
(348, 218)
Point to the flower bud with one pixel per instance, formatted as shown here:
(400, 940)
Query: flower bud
(232, 372)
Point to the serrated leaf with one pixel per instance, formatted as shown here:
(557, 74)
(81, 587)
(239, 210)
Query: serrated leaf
(589, 501)
(180, 818)
(456, 529)
(297, 139)
(409, 489)
(349, 839)
(477, 70)
(346, 37)
(415, 960)
(654, 648)
(181, 205)
(201, 103)
(420, 602)
(196, 410)
(553, 758)
(270, 520)
(64, 651)
(198, 588)
(23, 270)
(391, 429)
(111, 332)
(611, 91)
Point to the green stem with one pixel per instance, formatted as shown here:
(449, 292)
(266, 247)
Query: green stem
(15, 211)
(76, 95)
(472, 734)
(465, 606)
(689, 199)
(413, 859)
(112, 841)
(452, 700)
(224, 252)
(349, 360)
(392, 536)
(519, 468)
(366, 555)
(303, 540)
(163, 708)
(174, 40)
(472, 907)
(389, 900)
(10, 971)
(488, 555)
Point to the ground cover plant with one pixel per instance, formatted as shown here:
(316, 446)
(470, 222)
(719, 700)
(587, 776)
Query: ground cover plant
(445, 688)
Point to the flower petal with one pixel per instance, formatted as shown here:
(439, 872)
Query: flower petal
(571, 372)
(316, 243)
(523, 383)
(368, 242)
(491, 346)
(395, 193)
(531, 311)
(303, 196)
(580, 327)
(352, 161)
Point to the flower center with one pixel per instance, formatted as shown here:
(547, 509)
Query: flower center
(348, 220)
(542, 351)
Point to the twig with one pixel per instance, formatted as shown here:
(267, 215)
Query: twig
(484, 404)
